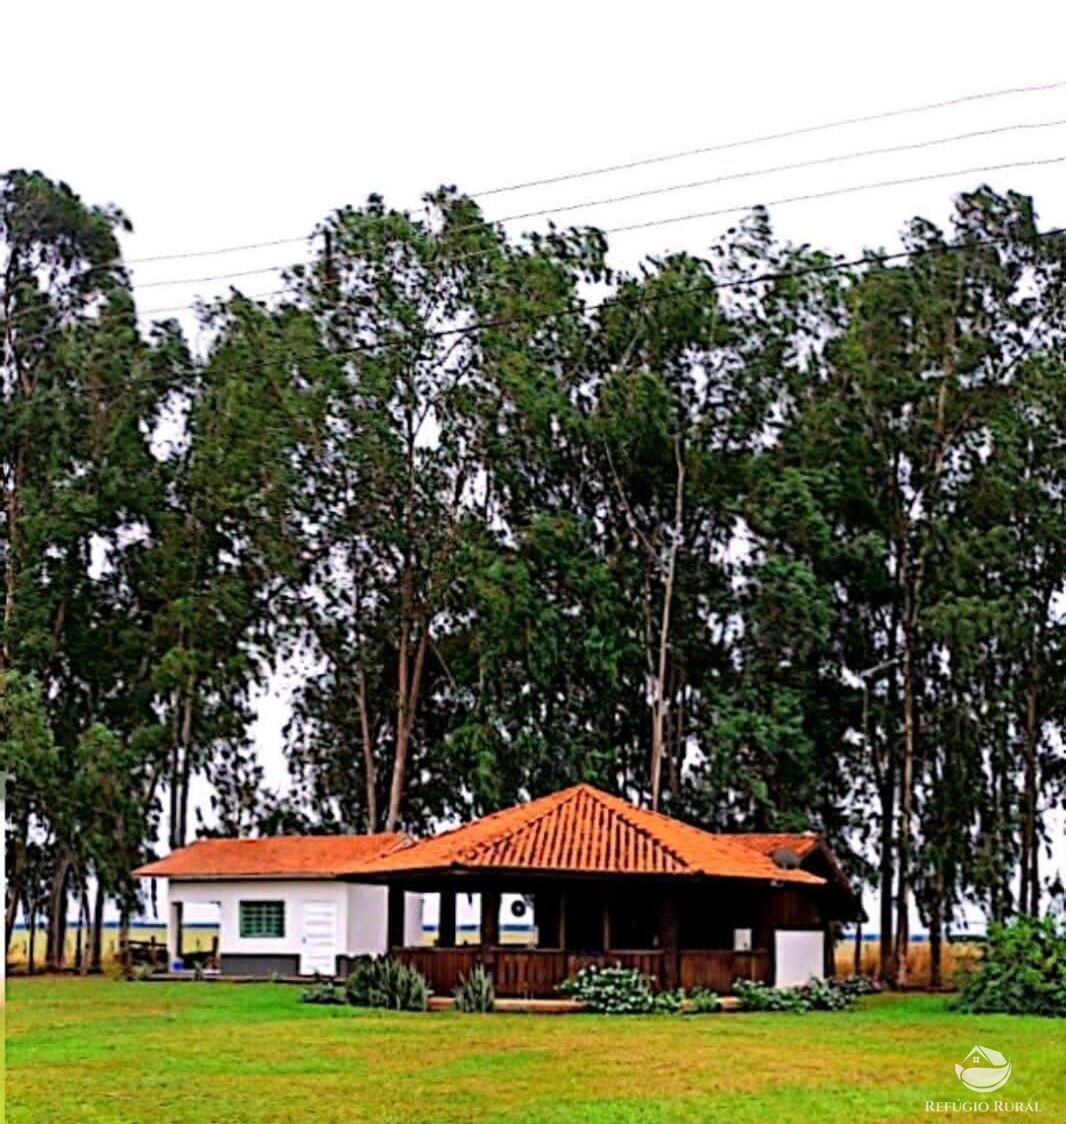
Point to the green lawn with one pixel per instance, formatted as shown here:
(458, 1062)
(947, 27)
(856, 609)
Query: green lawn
(99, 1050)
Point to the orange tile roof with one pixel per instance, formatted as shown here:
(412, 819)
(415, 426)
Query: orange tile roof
(582, 829)
(282, 856)
(800, 842)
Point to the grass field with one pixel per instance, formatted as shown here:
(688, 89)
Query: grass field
(100, 1050)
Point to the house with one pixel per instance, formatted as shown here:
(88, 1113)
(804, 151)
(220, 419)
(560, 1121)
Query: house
(291, 905)
(598, 881)
(612, 883)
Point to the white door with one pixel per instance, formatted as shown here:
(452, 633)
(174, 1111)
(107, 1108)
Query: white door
(318, 940)
(798, 955)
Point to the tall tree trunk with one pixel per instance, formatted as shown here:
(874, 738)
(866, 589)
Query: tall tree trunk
(97, 956)
(124, 933)
(409, 686)
(1029, 898)
(186, 759)
(55, 946)
(936, 927)
(660, 699)
(370, 776)
(16, 888)
(887, 874)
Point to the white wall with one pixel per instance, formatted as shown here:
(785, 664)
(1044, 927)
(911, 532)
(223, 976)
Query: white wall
(362, 913)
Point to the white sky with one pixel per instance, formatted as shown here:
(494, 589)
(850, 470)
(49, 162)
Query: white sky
(214, 124)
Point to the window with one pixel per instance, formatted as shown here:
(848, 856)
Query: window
(262, 919)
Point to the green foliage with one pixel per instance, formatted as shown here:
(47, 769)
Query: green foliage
(382, 981)
(1023, 971)
(614, 990)
(703, 1001)
(817, 995)
(324, 993)
(857, 985)
(476, 992)
(709, 501)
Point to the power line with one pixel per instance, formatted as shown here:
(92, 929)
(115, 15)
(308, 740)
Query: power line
(796, 166)
(652, 160)
(672, 219)
(651, 223)
(766, 137)
(829, 267)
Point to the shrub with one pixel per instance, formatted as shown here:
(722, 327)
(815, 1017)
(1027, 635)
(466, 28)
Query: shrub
(824, 995)
(1023, 971)
(816, 995)
(619, 991)
(755, 996)
(476, 992)
(704, 1001)
(383, 982)
(325, 993)
(859, 985)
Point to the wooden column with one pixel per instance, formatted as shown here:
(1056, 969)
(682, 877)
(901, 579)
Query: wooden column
(607, 896)
(490, 918)
(546, 918)
(446, 920)
(490, 927)
(668, 938)
(768, 905)
(396, 918)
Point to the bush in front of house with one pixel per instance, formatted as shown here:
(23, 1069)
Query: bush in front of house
(1023, 971)
(615, 990)
(381, 981)
(325, 993)
(816, 995)
(476, 992)
(703, 1001)
(856, 985)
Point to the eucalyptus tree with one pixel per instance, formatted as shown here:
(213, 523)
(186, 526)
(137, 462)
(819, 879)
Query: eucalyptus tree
(930, 353)
(400, 481)
(76, 410)
(222, 544)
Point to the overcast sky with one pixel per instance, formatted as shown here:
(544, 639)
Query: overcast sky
(219, 124)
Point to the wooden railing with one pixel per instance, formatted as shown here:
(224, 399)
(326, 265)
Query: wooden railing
(442, 967)
(536, 973)
(718, 969)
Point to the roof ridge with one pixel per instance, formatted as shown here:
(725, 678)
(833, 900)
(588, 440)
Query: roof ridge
(623, 809)
(554, 801)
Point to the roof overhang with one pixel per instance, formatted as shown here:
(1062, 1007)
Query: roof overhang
(511, 874)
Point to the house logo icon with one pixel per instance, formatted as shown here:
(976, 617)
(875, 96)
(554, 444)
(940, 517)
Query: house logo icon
(984, 1070)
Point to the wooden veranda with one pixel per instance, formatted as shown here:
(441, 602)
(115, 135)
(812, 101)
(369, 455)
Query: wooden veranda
(612, 884)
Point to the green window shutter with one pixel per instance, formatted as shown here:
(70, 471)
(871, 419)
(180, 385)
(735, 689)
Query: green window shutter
(262, 919)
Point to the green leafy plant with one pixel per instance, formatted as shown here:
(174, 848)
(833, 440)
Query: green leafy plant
(1023, 971)
(856, 985)
(325, 993)
(382, 981)
(755, 996)
(476, 992)
(702, 1001)
(816, 995)
(824, 995)
(615, 990)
